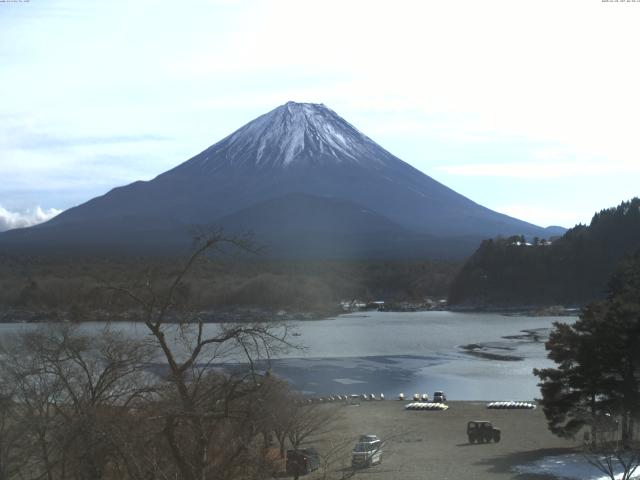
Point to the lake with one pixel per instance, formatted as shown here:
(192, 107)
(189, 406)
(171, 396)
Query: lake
(385, 352)
(471, 356)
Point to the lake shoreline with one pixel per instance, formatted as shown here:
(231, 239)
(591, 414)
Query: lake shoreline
(521, 310)
(258, 314)
(226, 315)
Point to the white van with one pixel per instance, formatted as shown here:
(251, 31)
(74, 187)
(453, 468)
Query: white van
(367, 452)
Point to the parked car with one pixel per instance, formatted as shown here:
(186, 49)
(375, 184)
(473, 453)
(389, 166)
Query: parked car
(439, 397)
(302, 461)
(482, 431)
(367, 452)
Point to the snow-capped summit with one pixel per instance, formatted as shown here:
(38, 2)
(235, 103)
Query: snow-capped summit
(304, 180)
(302, 133)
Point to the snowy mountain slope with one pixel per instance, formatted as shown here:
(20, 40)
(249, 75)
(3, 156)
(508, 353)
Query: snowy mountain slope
(292, 133)
(296, 148)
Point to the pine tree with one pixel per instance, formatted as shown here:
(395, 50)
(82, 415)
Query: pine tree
(598, 361)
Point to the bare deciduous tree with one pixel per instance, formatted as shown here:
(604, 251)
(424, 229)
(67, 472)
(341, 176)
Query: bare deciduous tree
(335, 461)
(12, 437)
(69, 390)
(309, 419)
(190, 401)
(611, 452)
(207, 417)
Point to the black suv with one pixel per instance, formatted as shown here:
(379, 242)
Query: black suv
(482, 431)
(302, 461)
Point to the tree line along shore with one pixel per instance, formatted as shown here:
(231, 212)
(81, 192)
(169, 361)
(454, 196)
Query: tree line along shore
(37, 289)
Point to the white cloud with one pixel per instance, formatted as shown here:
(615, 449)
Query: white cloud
(10, 220)
(541, 170)
(501, 71)
(500, 75)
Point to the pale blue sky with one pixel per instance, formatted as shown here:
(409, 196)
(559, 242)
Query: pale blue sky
(529, 108)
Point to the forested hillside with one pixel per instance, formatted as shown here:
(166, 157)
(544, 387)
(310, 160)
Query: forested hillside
(571, 270)
(55, 287)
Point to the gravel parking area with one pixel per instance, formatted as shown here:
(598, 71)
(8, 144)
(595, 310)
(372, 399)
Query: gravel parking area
(432, 444)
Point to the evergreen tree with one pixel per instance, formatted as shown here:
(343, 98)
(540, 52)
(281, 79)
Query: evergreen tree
(598, 361)
(571, 270)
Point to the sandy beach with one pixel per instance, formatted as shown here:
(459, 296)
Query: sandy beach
(434, 445)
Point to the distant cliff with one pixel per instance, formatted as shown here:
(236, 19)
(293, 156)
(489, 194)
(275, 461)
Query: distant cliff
(572, 270)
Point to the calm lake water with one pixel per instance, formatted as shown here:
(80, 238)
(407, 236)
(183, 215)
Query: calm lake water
(471, 356)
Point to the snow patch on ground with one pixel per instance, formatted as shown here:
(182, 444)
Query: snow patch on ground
(572, 466)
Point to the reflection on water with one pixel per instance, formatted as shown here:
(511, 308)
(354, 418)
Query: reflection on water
(469, 355)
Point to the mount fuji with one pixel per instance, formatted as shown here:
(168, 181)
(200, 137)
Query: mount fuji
(303, 180)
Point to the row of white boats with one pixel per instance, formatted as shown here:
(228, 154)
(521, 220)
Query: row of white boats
(343, 398)
(426, 406)
(424, 397)
(420, 401)
(417, 397)
(512, 404)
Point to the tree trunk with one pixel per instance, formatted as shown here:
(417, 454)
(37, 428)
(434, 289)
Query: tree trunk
(625, 429)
